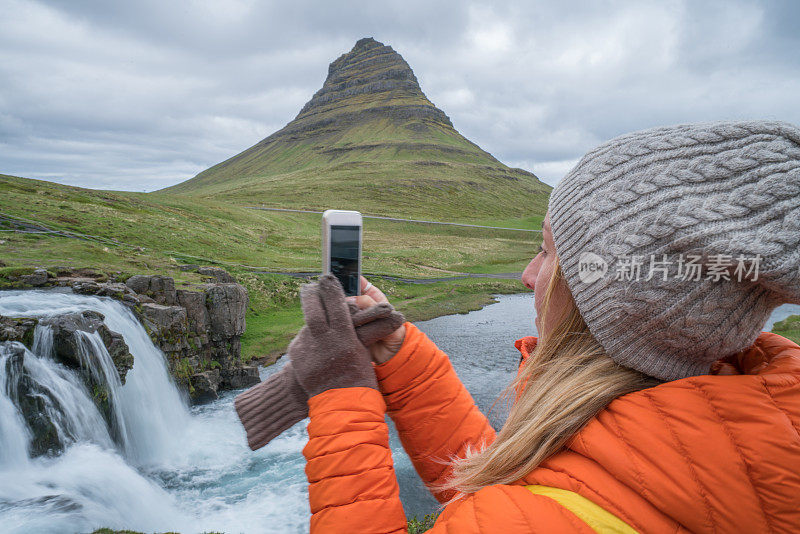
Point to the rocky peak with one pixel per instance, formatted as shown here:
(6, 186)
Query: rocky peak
(370, 72)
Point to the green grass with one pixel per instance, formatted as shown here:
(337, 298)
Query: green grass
(531, 222)
(162, 231)
(417, 526)
(789, 328)
(450, 192)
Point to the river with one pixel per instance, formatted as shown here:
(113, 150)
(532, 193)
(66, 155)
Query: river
(188, 469)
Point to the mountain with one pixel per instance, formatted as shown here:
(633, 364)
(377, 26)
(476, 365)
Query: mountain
(371, 140)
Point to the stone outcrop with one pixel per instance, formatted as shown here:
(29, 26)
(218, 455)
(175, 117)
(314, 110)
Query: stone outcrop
(166, 324)
(220, 275)
(198, 329)
(160, 288)
(17, 329)
(67, 349)
(227, 304)
(37, 278)
(205, 385)
(200, 334)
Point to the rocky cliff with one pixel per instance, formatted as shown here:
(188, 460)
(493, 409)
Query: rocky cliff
(198, 329)
(372, 81)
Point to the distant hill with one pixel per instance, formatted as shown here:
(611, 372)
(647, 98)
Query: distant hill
(370, 139)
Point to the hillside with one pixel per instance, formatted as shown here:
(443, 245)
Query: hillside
(154, 233)
(370, 140)
(789, 328)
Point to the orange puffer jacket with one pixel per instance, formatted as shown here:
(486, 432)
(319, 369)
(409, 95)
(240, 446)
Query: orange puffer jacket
(710, 453)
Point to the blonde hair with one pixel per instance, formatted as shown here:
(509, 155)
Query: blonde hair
(562, 385)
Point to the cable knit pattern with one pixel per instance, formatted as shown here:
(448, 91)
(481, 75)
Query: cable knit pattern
(701, 190)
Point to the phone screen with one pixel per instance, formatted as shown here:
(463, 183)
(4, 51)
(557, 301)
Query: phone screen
(344, 256)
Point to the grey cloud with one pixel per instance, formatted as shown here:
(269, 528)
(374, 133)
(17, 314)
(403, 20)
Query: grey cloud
(141, 95)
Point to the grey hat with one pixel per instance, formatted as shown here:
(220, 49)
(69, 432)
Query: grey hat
(677, 243)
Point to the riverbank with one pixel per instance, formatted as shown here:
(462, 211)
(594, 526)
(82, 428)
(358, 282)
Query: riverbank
(274, 316)
(789, 328)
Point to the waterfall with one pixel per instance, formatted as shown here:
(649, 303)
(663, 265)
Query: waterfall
(151, 464)
(148, 414)
(93, 482)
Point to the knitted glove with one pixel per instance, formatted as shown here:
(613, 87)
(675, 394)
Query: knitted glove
(269, 408)
(328, 355)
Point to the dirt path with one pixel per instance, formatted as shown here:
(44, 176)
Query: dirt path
(459, 276)
(402, 220)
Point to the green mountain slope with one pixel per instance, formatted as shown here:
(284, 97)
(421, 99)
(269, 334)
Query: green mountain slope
(370, 140)
(59, 227)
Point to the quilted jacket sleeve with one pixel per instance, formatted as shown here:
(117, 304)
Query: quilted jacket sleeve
(353, 488)
(434, 413)
(352, 484)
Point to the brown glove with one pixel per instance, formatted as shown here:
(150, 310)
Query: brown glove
(328, 355)
(276, 404)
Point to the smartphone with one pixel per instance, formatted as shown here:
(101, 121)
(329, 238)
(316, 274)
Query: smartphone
(341, 248)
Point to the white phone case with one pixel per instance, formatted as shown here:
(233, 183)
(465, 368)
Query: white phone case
(339, 218)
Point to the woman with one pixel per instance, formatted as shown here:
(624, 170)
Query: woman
(650, 402)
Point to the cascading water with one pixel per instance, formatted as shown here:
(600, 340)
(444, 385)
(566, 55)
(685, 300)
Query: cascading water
(14, 434)
(148, 412)
(64, 400)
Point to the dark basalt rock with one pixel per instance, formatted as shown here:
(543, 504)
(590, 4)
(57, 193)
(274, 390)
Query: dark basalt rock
(29, 398)
(66, 347)
(204, 386)
(227, 305)
(196, 312)
(241, 376)
(17, 329)
(220, 275)
(160, 288)
(36, 279)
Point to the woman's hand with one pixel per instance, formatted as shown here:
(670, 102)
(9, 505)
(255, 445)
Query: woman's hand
(383, 350)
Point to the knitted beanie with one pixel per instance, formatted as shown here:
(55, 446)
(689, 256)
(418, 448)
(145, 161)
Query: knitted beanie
(677, 243)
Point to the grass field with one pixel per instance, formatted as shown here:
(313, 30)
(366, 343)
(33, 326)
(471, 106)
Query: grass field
(789, 328)
(156, 232)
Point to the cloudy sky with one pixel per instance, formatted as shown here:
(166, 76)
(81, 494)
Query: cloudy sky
(140, 95)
